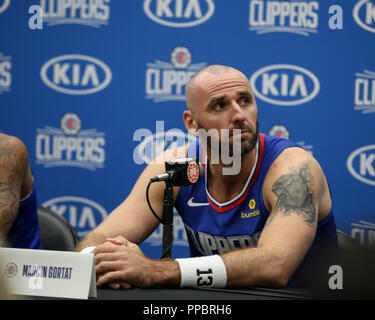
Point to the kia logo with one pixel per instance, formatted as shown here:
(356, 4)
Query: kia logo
(285, 84)
(366, 9)
(179, 13)
(361, 164)
(76, 74)
(83, 214)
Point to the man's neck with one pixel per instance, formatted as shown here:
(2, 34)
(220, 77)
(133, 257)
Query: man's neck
(225, 187)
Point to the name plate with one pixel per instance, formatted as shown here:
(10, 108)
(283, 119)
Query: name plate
(61, 274)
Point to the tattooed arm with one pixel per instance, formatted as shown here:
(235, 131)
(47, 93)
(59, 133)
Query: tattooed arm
(15, 180)
(296, 194)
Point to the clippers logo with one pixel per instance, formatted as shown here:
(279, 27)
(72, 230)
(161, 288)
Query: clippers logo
(88, 13)
(364, 14)
(166, 81)
(281, 131)
(70, 146)
(83, 214)
(76, 74)
(208, 244)
(364, 92)
(5, 75)
(361, 164)
(179, 234)
(193, 172)
(179, 13)
(364, 232)
(10, 270)
(4, 5)
(299, 17)
(285, 84)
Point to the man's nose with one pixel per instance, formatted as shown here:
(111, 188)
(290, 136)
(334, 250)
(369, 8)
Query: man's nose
(238, 113)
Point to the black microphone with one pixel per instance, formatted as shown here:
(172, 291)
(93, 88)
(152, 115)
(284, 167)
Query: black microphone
(180, 172)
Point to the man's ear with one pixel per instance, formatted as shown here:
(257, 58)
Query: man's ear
(190, 123)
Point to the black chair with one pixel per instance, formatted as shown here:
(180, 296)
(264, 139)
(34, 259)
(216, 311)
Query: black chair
(55, 232)
(346, 242)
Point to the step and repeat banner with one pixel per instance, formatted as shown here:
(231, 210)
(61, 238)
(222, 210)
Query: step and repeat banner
(95, 89)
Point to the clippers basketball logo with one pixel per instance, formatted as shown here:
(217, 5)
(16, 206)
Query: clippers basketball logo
(70, 146)
(364, 92)
(181, 57)
(5, 75)
(364, 14)
(83, 214)
(70, 124)
(10, 270)
(361, 164)
(89, 13)
(179, 13)
(167, 81)
(285, 84)
(193, 172)
(76, 74)
(299, 17)
(281, 131)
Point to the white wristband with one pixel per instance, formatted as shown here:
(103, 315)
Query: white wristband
(206, 271)
(88, 249)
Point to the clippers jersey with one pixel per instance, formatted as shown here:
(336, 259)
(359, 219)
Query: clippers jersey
(25, 232)
(215, 228)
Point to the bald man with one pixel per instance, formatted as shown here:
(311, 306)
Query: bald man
(257, 226)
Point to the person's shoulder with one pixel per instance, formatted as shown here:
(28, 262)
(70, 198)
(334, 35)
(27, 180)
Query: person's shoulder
(13, 152)
(295, 160)
(293, 168)
(11, 142)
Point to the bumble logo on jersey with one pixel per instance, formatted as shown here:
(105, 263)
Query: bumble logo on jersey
(253, 212)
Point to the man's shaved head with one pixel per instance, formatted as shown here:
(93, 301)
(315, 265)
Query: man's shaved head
(213, 69)
(220, 97)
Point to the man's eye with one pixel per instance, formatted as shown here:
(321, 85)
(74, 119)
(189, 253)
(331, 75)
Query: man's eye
(218, 106)
(244, 101)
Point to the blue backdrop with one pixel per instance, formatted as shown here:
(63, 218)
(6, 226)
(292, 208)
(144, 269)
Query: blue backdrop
(95, 88)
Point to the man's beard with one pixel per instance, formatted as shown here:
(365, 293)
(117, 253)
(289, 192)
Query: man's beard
(215, 143)
(249, 144)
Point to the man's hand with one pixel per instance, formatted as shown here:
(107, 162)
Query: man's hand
(121, 263)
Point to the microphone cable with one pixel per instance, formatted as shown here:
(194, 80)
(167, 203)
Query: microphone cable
(166, 250)
(149, 203)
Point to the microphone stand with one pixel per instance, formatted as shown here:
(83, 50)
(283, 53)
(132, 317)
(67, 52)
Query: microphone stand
(167, 221)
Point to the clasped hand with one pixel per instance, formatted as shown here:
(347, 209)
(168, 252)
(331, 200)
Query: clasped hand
(120, 263)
